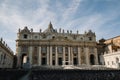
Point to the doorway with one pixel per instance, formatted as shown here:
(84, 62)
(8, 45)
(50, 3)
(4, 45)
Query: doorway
(43, 61)
(92, 59)
(24, 59)
(60, 61)
(75, 61)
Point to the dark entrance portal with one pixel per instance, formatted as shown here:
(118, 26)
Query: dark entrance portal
(75, 61)
(43, 61)
(53, 62)
(92, 59)
(60, 61)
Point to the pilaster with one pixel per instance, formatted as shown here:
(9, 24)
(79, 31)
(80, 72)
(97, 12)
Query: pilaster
(56, 57)
(96, 56)
(39, 57)
(63, 55)
(48, 55)
(69, 55)
(87, 56)
(79, 56)
(19, 56)
(30, 54)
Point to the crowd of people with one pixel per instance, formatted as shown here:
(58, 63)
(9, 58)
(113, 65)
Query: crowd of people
(61, 74)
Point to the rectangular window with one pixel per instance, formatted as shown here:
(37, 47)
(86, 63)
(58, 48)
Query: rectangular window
(53, 49)
(25, 36)
(75, 49)
(44, 49)
(66, 49)
(60, 49)
(24, 48)
(90, 38)
(36, 37)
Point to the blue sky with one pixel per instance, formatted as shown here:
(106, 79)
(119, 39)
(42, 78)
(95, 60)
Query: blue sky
(101, 16)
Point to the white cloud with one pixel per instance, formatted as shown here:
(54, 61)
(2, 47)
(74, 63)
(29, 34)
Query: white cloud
(13, 16)
(71, 10)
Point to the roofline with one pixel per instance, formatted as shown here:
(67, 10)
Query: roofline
(113, 37)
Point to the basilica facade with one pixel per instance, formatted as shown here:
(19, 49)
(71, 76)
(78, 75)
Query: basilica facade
(56, 47)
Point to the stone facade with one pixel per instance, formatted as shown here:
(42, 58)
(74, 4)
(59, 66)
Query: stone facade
(6, 55)
(56, 48)
(112, 52)
(112, 59)
(101, 49)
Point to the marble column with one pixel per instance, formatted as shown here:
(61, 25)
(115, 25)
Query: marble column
(71, 55)
(19, 56)
(63, 55)
(79, 56)
(30, 54)
(56, 56)
(96, 56)
(68, 55)
(48, 55)
(39, 56)
(87, 56)
(51, 55)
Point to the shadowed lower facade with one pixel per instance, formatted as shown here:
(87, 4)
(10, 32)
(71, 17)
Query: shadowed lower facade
(6, 55)
(55, 48)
